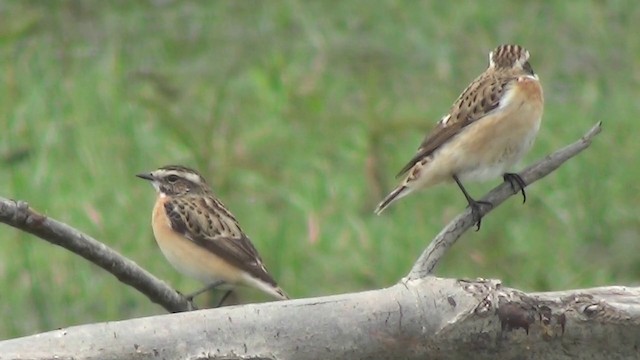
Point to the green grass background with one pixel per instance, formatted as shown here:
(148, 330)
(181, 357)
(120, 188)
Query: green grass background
(299, 114)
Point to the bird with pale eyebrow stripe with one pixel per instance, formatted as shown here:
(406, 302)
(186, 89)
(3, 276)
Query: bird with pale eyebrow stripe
(201, 238)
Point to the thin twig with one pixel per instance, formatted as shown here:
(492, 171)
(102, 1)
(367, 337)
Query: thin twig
(432, 255)
(19, 215)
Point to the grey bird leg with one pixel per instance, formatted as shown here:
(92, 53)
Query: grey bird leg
(205, 289)
(224, 297)
(473, 204)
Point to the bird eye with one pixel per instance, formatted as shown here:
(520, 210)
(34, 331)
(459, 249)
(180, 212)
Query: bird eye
(172, 178)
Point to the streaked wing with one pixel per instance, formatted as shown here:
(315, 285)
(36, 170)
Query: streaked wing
(206, 222)
(478, 100)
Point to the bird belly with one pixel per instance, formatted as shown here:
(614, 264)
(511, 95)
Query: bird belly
(505, 154)
(491, 146)
(189, 258)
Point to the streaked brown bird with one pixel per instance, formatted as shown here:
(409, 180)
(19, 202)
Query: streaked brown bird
(201, 238)
(489, 128)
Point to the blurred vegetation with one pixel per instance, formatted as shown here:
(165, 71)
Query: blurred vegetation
(299, 114)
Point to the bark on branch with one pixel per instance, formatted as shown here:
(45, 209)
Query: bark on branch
(19, 215)
(425, 318)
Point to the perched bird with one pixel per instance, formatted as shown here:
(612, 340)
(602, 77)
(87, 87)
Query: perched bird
(200, 237)
(489, 128)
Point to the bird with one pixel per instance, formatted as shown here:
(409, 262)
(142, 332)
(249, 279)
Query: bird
(487, 130)
(201, 238)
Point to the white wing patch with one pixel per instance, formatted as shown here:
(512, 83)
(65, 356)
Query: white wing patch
(445, 119)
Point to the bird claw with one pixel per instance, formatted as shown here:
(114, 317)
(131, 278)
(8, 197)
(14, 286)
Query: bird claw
(514, 179)
(476, 211)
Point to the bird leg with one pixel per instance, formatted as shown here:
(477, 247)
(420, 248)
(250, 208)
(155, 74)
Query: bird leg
(515, 179)
(205, 289)
(473, 204)
(224, 297)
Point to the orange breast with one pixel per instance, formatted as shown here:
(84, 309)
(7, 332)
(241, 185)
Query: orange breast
(531, 89)
(187, 257)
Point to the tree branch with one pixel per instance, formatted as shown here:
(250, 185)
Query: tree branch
(425, 318)
(19, 215)
(432, 255)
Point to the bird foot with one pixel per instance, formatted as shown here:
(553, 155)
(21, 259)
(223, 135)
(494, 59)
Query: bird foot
(517, 184)
(476, 211)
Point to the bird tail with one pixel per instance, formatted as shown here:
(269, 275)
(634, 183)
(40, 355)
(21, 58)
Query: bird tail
(282, 295)
(268, 286)
(276, 292)
(396, 194)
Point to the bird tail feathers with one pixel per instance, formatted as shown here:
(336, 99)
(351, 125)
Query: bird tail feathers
(396, 194)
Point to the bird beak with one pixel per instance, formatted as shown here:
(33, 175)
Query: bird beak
(146, 176)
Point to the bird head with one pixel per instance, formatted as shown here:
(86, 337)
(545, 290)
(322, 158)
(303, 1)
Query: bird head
(176, 180)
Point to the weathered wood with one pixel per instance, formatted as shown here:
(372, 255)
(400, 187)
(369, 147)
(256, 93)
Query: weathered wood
(426, 318)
